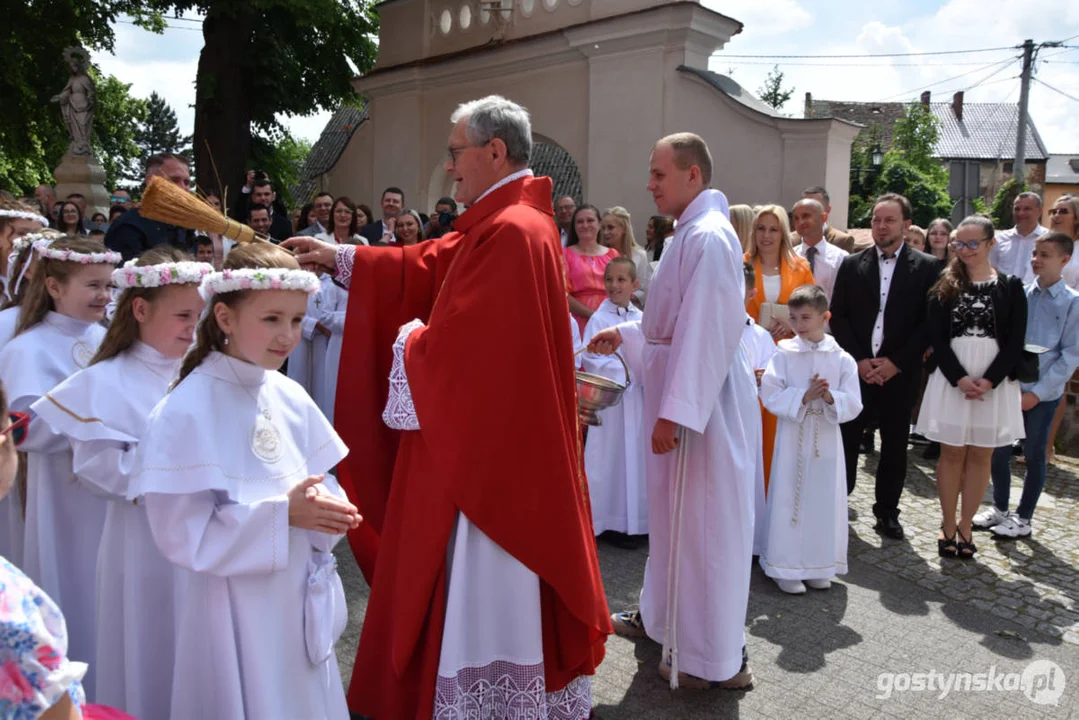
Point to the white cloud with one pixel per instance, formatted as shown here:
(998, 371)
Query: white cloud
(763, 17)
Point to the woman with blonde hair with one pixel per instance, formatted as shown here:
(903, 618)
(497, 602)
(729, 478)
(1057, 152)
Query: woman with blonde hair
(616, 231)
(777, 272)
(742, 217)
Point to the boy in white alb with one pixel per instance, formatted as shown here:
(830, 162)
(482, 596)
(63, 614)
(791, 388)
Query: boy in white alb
(614, 453)
(760, 347)
(811, 386)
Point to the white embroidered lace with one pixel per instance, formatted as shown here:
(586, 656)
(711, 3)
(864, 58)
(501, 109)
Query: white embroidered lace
(400, 413)
(507, 690)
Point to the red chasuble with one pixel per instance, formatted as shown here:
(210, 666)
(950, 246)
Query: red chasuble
(492, 379)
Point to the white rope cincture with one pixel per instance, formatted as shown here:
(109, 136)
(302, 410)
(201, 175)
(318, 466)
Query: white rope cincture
(670, 646)
(811, 413)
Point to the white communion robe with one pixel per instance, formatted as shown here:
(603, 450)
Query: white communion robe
(761, 347)
(259, 603)
(806, 537)
(64, 515)
(12, 525)
(312, 364)
(103, 411)
(688, 350)
(614, 455)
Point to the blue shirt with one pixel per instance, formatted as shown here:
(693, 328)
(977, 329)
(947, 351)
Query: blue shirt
(1053, 322)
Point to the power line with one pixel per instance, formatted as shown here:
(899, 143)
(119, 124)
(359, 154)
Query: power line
(1002, 63)
(849, 65)
(170, 27)
(1059, 92)
(871, 55)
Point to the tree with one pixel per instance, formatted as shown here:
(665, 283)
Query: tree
(116, 127)
(282, 159)
(772, 91)
(157, 133)
(915, 135)
(1001, 209)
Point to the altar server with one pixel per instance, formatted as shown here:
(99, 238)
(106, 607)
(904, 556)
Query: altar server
(103, 410)
(57, 334)
(811, 386)
(244, 508)
(614, 453)
(312, 364)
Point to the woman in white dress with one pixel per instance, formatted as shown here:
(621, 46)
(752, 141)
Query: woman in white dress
(57, 334)
(103, 410)
(231, 471)
(977, 322)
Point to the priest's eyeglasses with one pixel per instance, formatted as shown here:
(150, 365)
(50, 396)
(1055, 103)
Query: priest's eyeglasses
(453, 152)
(17, 427)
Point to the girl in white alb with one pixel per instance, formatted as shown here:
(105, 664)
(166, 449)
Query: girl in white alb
(231, 471)
(20, 261)
(56, 336)
(103, 411)
(315, 361)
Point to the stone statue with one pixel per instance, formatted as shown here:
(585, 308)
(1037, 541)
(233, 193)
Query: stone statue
(77, 101)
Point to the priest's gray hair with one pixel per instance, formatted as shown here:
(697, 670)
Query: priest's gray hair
(496, 117)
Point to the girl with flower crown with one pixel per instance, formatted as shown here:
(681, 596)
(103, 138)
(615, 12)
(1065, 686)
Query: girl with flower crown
(243, 506)
(57, 334)
(103, 411)
(16, 219)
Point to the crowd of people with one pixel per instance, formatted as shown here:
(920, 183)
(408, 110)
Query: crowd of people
(199, 423)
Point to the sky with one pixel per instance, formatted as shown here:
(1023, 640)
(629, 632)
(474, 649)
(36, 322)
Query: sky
(168, 63)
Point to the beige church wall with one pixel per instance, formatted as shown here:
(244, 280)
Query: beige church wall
(352, 175)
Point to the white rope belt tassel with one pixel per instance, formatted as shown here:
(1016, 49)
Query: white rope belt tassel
(810, 414)
(670, 646)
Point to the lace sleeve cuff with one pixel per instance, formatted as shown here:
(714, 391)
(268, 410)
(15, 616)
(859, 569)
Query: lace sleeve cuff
(343, 265)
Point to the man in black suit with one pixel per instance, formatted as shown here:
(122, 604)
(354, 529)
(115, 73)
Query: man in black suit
(259, 191)
(879, 317)
(131, 234)
(393, 202)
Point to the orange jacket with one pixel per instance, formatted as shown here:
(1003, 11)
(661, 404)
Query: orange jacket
(792, 275)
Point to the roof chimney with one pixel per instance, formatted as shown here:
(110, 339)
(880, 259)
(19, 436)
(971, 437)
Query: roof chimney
(809, 105)
(925, 98)
(957, 105)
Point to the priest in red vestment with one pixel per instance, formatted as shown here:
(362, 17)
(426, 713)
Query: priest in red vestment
(486, 597)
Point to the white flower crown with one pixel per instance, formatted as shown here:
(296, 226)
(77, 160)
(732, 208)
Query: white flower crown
(24, 241)
(228, 281)
(45, 250)
(152, 276)
(25, 216)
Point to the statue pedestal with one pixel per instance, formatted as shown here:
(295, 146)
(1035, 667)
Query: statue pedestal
(82, 174)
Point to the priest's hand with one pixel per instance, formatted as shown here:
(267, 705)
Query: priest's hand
(312, 254)
(663, 436)
(605, 342)
(311, 509)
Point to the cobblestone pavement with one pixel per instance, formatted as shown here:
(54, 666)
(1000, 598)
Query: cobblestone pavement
(851, 651)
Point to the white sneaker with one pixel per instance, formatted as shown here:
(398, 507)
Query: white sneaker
(821, 584)
(989, 517)
(791, 587)
(1012, 527)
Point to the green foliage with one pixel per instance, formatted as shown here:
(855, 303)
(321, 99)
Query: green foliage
(980, 208)
(116, 125)
(282, 159)
(1001, 209)
(32, 38)
(773, 92)
(909, 169)
(157, 132)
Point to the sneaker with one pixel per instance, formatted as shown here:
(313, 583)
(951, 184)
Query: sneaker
(1012, 527)
(791, 587)
(628, 625)
(989, 517)
(822, 584)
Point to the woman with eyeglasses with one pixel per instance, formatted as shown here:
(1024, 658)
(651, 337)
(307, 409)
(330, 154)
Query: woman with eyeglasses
(977, 321)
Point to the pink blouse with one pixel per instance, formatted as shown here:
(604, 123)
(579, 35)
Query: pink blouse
(584, 278)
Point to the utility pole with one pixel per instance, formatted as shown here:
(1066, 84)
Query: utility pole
(1030, 52)
(1018, 166)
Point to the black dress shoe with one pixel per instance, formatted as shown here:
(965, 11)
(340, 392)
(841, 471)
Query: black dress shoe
(932, 451)
(868, 445)
(889, 527)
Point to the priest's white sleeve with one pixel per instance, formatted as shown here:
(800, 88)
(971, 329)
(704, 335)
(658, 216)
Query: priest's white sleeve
(197, 532)
(847, 396)
(780, 400)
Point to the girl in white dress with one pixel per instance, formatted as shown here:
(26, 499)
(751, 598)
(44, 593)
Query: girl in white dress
(103, 411)
(315, 361)
(20, 267)
(977, 321)
(57, 334)
(231, 471)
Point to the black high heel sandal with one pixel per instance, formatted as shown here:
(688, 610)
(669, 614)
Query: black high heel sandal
(965, 548)
(946, 546)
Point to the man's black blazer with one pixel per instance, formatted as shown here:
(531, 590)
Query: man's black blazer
(856, 302)
(372, 232)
